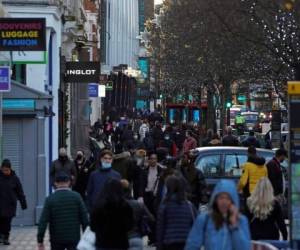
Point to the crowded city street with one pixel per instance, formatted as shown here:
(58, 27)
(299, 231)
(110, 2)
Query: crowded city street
(149, 124)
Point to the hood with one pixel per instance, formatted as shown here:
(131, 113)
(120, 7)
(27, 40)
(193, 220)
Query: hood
(260, 161)
(122, 155)
(225, 186)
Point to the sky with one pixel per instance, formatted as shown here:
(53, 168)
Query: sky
(158, 1)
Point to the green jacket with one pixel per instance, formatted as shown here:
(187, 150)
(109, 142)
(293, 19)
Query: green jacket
(65, 212)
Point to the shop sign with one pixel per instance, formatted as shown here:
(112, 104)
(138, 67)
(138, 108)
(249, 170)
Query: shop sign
(82, 72)
(22, 34)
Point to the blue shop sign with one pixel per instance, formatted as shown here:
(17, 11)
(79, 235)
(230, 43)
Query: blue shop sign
(93, 90)
(18, 104)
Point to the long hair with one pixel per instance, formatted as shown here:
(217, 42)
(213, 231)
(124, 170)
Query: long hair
(175, 189)
(261, 201)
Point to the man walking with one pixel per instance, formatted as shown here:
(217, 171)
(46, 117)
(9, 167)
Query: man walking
(63, 164)
(98, 178)
(229, 139)
(65, 212)
(275, 173)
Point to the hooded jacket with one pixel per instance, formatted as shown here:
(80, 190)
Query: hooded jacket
(254, 169)
(205, 234)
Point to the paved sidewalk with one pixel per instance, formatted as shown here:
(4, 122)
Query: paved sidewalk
(24, 238)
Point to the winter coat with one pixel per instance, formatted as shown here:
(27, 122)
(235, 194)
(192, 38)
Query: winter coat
(66, 166)
(251, 141)
(174, 222)
(169, 145)
(149, 143)
(96, 183)
(143, 183)
(116, 134)
(134, 145)
(157, 135)
(269, 228)
(141, 215)
(189, 144)
(10, 191)
(83, 173)
(111, 223)
(65, 212)
(196, 185)
(253, 170)
(122, 164)
(204, 232)
(230, 140)
(275, 175)
(127, 136)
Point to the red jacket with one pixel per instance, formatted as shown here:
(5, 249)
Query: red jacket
(189, 144)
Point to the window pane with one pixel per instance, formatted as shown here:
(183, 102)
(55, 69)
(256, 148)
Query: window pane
(233, 165)
(210, 165)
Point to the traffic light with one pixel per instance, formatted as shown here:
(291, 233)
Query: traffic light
(228, 104)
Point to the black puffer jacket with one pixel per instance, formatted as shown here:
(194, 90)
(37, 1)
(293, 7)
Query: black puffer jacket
(10, 191)
(196, 185)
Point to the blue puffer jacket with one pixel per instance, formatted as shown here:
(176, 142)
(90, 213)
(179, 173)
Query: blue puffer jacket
(174, 222)
(96, 183)
(205, 234)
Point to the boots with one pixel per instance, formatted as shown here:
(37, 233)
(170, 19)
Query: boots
(6, 240)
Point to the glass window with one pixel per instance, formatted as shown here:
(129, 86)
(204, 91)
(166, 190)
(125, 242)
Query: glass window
(233, 165)
(210, 165)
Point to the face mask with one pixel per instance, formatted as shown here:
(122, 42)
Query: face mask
(63, 157)
(106, 165)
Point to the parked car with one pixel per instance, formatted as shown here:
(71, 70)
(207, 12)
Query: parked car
(227, 163)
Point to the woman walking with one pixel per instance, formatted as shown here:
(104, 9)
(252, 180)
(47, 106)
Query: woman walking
(223, 227)
(112, 217)
(265, 213)
(175, 216)
(10, 191)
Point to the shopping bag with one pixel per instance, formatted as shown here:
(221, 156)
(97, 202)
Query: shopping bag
(87, 241)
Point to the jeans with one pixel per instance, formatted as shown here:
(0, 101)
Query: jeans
(5, 225)
(63, 246)
(136, 243)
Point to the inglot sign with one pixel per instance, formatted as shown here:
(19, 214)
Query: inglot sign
(82, 72)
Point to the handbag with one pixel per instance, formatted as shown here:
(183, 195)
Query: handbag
(88, 240)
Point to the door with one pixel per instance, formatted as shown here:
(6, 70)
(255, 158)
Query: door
(19, 145)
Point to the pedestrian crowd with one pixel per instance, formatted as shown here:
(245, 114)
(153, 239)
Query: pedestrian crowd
(140, 180)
